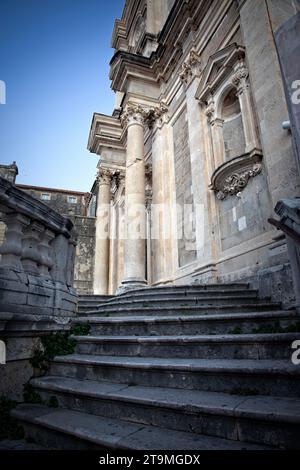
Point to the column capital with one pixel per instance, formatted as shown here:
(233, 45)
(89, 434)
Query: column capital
(210, 110)
(142, 114)
(104, 176)
(239, 78)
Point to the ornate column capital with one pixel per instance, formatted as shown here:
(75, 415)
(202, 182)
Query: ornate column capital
(133, 114)
(190, 67)
(210, 111)
(104, 176)
(142, 114)
(239, 78)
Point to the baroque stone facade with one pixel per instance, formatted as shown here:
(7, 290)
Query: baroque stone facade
(200, 101)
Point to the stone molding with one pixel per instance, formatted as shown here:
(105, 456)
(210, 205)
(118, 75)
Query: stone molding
(233, 176)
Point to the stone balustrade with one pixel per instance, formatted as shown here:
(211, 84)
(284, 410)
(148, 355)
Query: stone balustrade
(37, 256)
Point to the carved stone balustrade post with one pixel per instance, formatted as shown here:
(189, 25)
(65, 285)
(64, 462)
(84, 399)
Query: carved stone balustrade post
(45, 263)
(11, 250)
(31, 256)
(59, 250)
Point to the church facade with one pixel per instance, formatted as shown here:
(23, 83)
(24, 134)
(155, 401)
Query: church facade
(194, 157)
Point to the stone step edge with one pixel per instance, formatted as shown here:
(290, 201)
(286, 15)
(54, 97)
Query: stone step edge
(183, 294)
(277, 314)
(257, 413)
(40, 415)
(230, 366)
(173, 299)
(186, 339)
(195, 307)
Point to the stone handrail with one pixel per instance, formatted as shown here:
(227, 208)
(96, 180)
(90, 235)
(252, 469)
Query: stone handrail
(289, 212)
(37, 256)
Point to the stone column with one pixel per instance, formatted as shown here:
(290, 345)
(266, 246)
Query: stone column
(240, 81)
(135, 214)
(101, 270)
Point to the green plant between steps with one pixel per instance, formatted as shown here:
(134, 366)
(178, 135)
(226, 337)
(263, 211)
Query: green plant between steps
(9, 427)
(30, 395)
(57, 344)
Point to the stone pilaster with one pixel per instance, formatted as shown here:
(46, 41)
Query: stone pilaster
(240, 81)
(101, 270)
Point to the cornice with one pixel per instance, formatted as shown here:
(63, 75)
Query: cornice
(163, 61)
(106, 131)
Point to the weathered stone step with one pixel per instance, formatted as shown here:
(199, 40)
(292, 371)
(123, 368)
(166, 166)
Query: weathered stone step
(187, 324)
(173, 301)
(267, 377)
(251, 346)
(95, 297)
(268, 420)
(193, 294)
(209, 308)
(69, 429)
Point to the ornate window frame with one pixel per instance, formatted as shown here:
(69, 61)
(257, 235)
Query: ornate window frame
(225, 70)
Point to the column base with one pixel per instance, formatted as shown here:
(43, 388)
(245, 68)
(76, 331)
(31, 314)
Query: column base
(131, 284)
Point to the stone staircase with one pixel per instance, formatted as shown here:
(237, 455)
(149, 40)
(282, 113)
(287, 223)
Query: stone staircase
(186, 367)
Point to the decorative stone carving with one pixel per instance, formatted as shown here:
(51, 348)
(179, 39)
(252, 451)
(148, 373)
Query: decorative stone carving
(140, 114)
(190, 67)
(239, 78)
(238, 181)
(104, 176)
(233, 176)
(210, 111)
(117, 180)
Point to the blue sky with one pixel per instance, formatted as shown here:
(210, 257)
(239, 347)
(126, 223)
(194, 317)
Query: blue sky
(54, 59)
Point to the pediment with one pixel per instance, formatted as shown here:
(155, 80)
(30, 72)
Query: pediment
(217, 68)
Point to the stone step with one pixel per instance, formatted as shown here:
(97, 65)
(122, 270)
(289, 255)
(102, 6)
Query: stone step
(148, 296)
(169, 290)
(203, 308)
(239, 346)
(193, 310)
(94, 297)
(174, 301)
(266, 377)
(189, 324)
(258, 419)
(62, 428)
